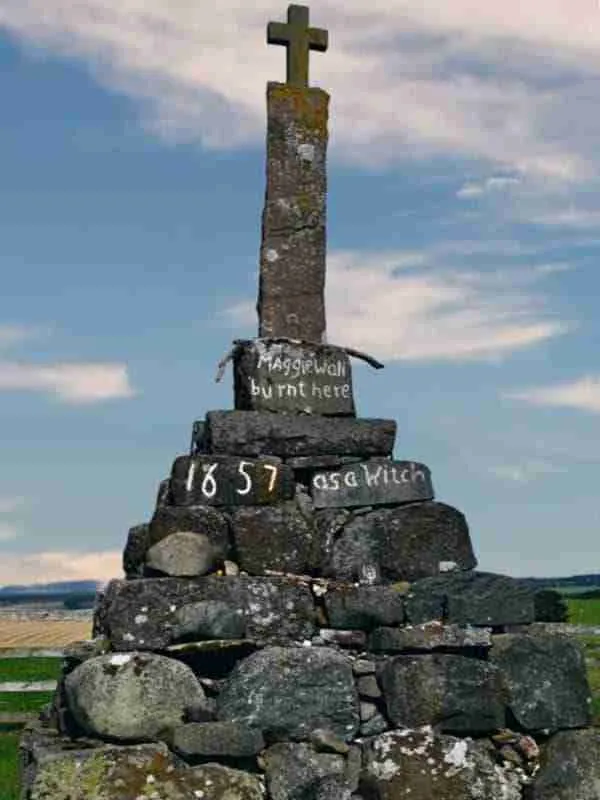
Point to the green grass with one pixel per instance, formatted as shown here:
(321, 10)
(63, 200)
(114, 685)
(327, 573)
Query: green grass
(9, 772)
(23, 702)
(584, 612)
(30, 669)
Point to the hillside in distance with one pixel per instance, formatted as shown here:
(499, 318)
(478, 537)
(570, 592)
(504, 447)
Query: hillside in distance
(56, 588)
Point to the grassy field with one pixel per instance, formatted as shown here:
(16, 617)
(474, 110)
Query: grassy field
(584, 612)
(9, 775)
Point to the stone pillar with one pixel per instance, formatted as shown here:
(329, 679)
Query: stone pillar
(291, 299)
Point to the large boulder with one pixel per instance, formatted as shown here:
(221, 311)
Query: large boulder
(417, 765)
(275, 609)
(457, 694)
(287, 692)
(546, 680)
(570, 767)
(403, 544)
(195, 519)
(470, 598)
(131, 697)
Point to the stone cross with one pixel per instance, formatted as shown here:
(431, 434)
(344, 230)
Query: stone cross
(291, 300)
(299, 39)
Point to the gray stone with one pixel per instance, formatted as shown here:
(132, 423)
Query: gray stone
(289, 377)
(375, 725)
(292, 255)
(361, 666)
(546, 680)
(142, 614)
(326, 742)
(209, 619)
(367, 711)
(198, 442)
(320, 462)
(294, 771)
(230, 481)
(367, 686)
(402, 544)
(217, 740)
(419, 765)
(183, 554)
(55, 769)
(135, 551)
(353, 639)
(429, 636)
(375, 482)
(570, 767)
(252, 433)
(278, 538)
(163, 495)
(130, 697)
(457, 694)
(363, 607)
(288, 692)
(470, 598)
(199, 519)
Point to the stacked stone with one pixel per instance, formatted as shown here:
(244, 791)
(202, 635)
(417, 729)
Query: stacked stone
(287, 632)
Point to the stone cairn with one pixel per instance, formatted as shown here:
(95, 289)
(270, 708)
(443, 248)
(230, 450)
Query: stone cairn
(300, 620)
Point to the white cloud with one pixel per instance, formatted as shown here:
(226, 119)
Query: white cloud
(46, 567)
(13, 334)
(493, 184)
(404, 306)
(10, 504)
(71, 383)
(407, 76)
(526, 472)
(582, 394)
(578, 218)
(8, 532)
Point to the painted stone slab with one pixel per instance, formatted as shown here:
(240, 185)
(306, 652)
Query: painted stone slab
(271, 375)
(372, 483)
(230, 481)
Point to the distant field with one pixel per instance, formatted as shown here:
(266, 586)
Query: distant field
(43, 633)
(584, 612)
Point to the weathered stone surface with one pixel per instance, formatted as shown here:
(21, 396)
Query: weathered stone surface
(142, 615)
(217, 740)
(294, 771)
(292, 254)
(356, 640)
(289, 691)
(230, 481)
(372, 483)
(367, 686)
(418, 765)
(363, 607)
(470, 598)
(198, 441)
(546, 680)
(209, 619)
(402, 544)
(279, 538)
(252, 433)
(163, 495)
(375, 725)
(458, 694)
(320, 462)
(429, 636)
(570, 767)
(290, 377)
(130, 697)
(135, 551)
(183, 554)
(198, 519)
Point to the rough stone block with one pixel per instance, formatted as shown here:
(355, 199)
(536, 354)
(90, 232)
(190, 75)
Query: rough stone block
(363, 607)
(253, 433)
(570, 767)
(272, 375)
(457, 694)
(470, 598)
(372, 483)
(401, 544)
(183, 554)
(287, 692)
(213, 480)
(294, 770)
(217, 740)
(202, 520)
(135, 551)
(279, 538)
(429, 636)
(142, 614)
(546, 680)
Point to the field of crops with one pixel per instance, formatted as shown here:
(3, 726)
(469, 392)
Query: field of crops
(42, 633)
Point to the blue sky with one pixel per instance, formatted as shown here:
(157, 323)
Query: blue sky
(463, 217)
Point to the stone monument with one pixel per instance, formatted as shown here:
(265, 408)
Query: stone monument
(300, 619)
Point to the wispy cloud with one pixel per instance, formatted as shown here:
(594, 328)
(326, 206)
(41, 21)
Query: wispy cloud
(13, 334)
(495, 183)
(47, 566)
(8, 532)
(404, 306)
(526, 472)
(582, 394)
(10, 504)
(71, 383)
(407, 76)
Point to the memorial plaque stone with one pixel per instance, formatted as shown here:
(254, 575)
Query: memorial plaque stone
(271, 375)
(230, 481)
(371, 483)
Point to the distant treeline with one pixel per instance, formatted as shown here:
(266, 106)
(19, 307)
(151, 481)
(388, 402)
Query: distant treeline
(583, 582)
(69, 600)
